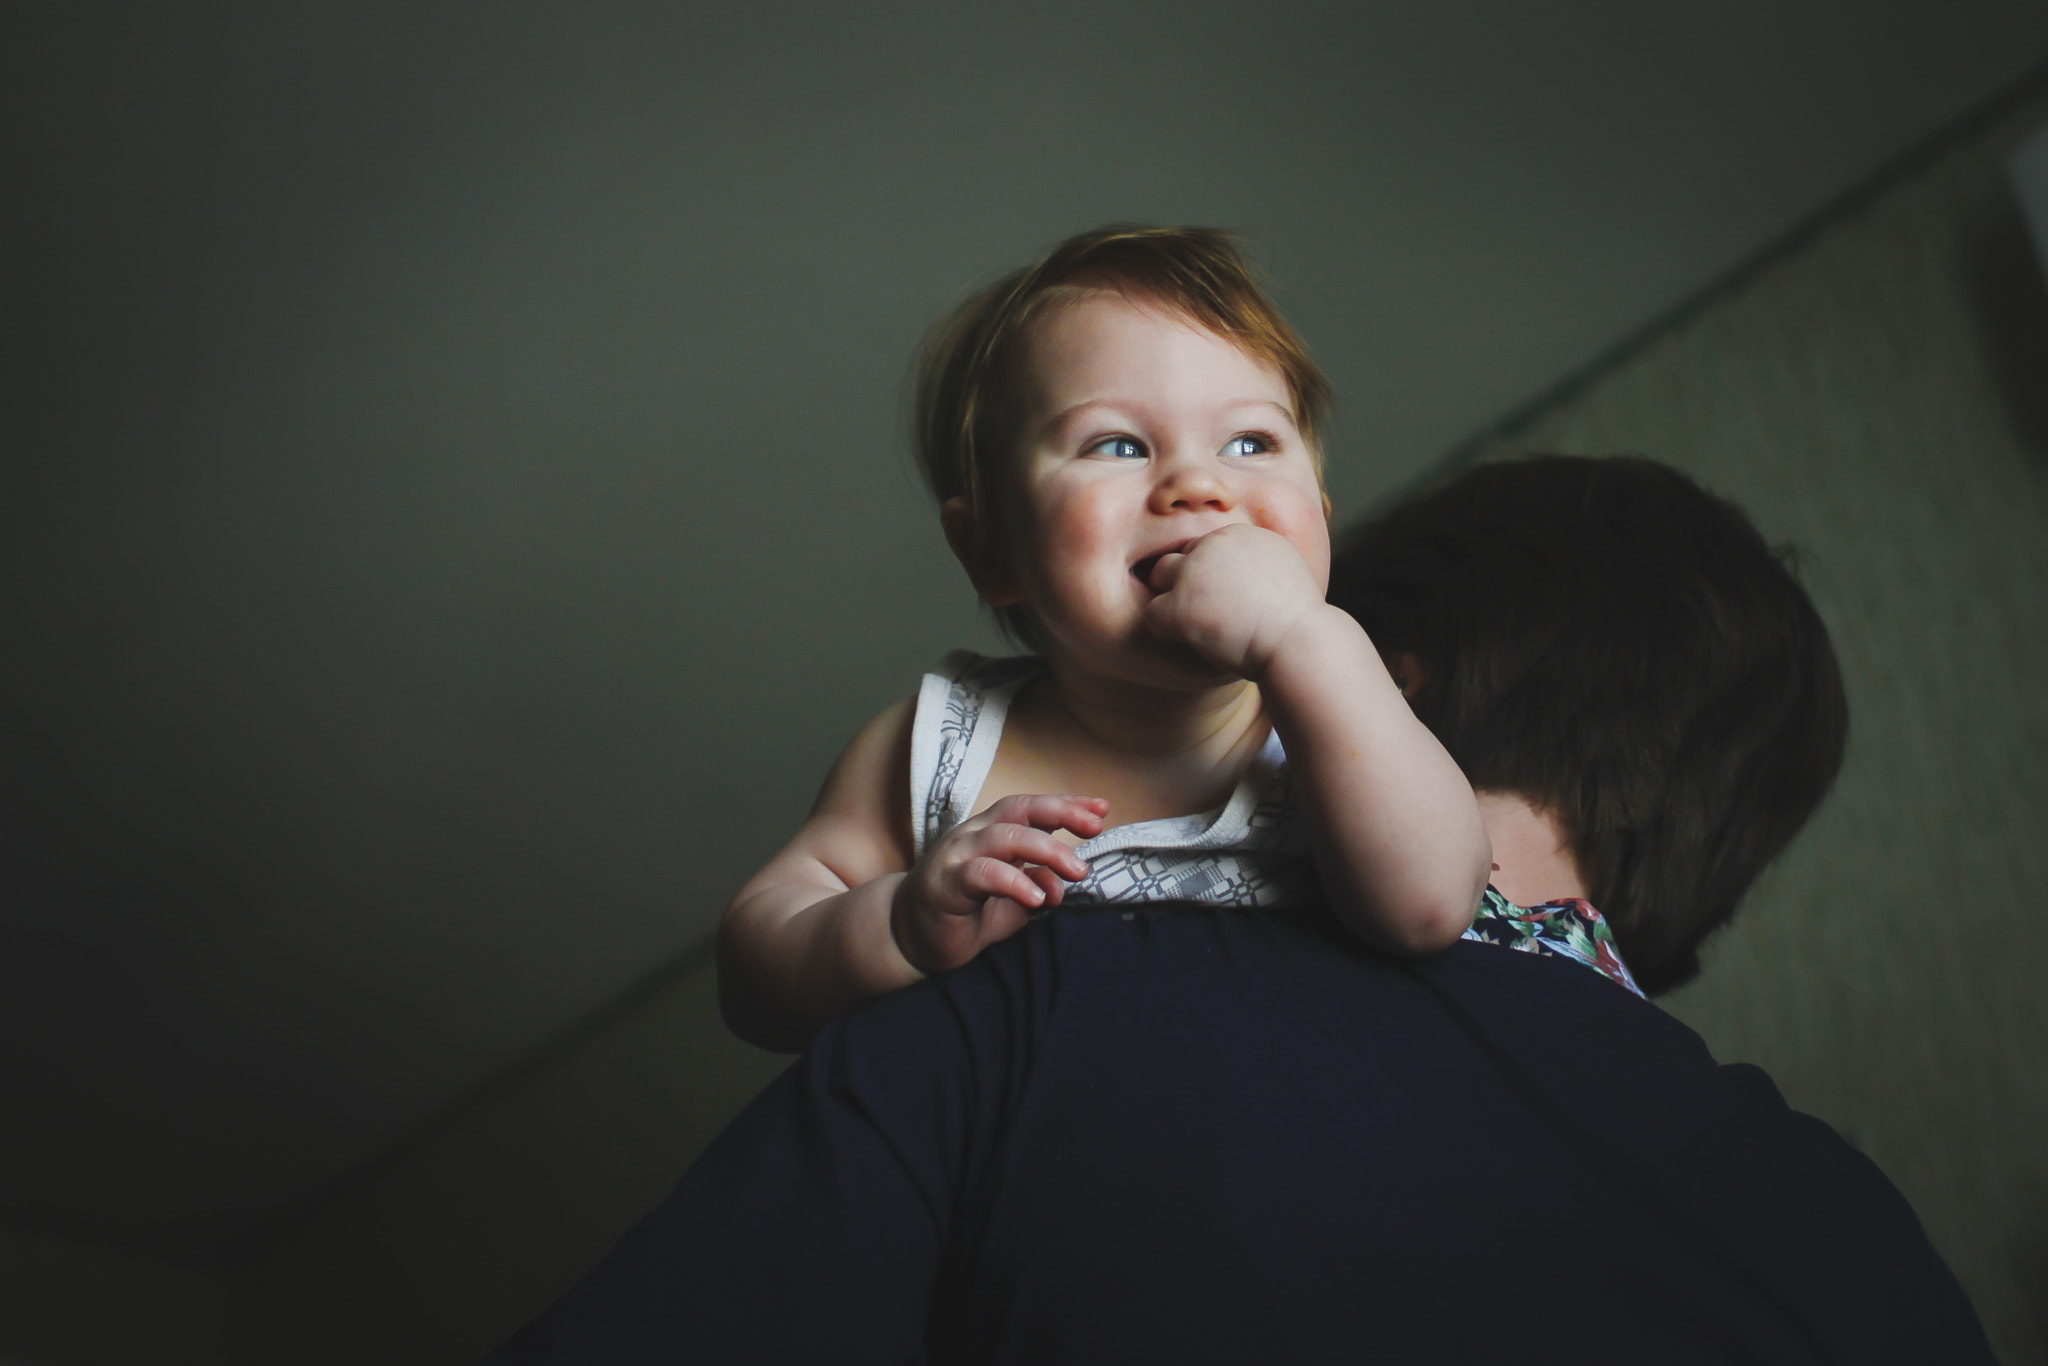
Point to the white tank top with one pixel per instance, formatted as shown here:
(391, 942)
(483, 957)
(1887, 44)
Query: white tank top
(1252, 851)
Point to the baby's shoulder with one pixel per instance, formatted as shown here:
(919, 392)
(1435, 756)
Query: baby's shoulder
(874, 759)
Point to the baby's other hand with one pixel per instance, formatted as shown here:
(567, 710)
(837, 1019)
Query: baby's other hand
(981, 881)
(1233, 597)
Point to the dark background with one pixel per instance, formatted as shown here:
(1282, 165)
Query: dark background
(455, 503)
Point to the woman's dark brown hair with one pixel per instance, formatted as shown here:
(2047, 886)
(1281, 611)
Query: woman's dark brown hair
(1608, 640)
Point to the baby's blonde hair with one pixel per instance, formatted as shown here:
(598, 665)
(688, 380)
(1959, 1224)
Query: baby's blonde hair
(971, 361)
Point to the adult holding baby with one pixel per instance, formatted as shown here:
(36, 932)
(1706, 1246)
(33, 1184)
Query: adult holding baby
(1222, 1106)
(1201, 1134)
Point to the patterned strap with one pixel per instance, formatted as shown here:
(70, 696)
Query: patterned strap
(959, 723)
(1570, 928)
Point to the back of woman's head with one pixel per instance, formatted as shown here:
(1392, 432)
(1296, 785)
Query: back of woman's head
(1622, 648)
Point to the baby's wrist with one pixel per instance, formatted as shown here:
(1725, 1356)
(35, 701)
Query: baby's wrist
(891, 961)
(904, 952)
(1312, 631)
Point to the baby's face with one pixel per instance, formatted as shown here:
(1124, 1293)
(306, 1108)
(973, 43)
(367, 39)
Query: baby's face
(1142, 432)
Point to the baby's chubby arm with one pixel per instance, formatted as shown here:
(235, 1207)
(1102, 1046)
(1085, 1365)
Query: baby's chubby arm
(844, 913)
(1398, 839)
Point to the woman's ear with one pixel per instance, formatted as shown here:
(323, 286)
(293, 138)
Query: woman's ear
(1409, 672)
(986, 568)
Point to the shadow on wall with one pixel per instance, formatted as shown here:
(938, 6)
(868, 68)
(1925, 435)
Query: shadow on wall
(2011, 295)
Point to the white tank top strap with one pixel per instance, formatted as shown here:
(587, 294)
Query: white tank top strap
(953, 738)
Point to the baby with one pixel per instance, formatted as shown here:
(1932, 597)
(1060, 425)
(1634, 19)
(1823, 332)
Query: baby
(1123, 442)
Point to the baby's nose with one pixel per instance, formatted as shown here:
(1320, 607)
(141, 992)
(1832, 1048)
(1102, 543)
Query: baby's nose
(1191, 486)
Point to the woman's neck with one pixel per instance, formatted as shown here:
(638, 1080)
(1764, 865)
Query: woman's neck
(1531, 861)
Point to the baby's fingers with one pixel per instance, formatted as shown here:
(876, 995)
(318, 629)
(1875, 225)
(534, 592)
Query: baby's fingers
(1020, 844)
(1001, 918)
(1082, 816)
(987, 876)
(1049, 882)
(1166, 572)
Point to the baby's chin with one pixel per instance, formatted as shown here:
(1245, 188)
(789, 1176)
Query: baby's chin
(1171, 666)
(1143, 660)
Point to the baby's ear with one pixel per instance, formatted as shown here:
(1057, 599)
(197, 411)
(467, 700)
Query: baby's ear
(986, 567)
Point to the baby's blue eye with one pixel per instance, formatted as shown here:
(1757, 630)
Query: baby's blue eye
(1246, 445)
(1122, 447)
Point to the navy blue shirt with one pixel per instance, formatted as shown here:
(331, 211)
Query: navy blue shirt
(1205, 1135)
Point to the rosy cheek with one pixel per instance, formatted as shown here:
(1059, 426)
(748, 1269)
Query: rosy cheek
(1308, 531)
(1079, 520)
(1316, 538)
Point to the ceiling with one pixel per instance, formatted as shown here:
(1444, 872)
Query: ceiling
(456, 506)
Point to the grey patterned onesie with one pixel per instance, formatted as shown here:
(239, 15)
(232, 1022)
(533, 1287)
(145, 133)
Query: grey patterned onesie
(1252, 851)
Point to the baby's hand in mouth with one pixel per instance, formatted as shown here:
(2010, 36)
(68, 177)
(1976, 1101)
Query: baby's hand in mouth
(1146, 570)
(1234, 595)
